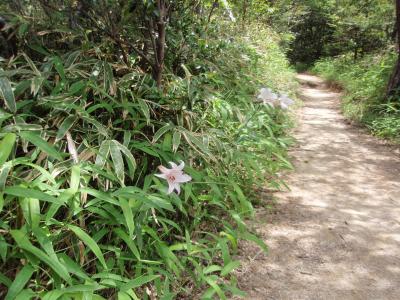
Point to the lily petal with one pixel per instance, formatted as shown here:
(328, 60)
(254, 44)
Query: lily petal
(177, 188)
(163, 169)
(183, 178)
(171, 187)
(284, 106)
(163, 176)
(181, 166)
(173, 165)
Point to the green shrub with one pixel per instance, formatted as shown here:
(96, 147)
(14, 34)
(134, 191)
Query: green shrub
(82, 214)
(364, 82)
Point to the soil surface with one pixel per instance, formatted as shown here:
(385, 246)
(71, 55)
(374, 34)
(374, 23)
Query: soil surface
(336, 233)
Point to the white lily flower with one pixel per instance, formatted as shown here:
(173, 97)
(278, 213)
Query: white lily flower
(174, 176)
(285, 101)
(267, 97)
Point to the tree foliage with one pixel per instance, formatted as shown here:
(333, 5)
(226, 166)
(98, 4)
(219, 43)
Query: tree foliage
(329, 28)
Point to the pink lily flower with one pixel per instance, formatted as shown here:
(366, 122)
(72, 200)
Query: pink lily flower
(174, 176)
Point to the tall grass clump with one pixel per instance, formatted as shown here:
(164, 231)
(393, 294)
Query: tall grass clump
(82, 214)
(364, 82)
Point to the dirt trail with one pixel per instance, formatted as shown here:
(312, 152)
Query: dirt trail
(336, 234)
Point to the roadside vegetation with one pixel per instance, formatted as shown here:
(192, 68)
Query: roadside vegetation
(352, 44)
(364, 83)
(95, 97)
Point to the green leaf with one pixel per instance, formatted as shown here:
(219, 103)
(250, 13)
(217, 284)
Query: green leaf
(3, 248)
(26, 294)
(123, 296)
(31, 193)
(127, 211)
(145, 110)
(100, 195)
(1, 202)
(230, 267)
(160, 132)
(58, 65)
(104, 150)
(65, 126)
(117, 160)
(7, 94)
(22, 240)
(3, 177)
(137, 282)
(19, 282)
(72, 266)
(92, 121)
(246, 206)
(45, 242)
(6, 146)
(211, 269)
(224, 250)
(34, 211)
(251, 237)
(127, 154)
(75, 179)
(31, 64)
(23, 29)
(77, 87)
(21, 87)
(36, 84)
(108, 79)
(5, 280)
(122, 234)
(216, 287)
(176, 140)
(41, 144)
(91, 243)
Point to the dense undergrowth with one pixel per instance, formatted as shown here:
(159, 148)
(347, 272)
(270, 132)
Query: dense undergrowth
(82, 215)
(364, 82)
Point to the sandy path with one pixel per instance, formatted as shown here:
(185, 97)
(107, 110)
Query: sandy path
(336, 234)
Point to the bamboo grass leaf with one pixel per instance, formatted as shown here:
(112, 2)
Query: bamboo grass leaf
(6, 146)
(117, 160)
(160, 132)
(41, 144)
(230, 267)
(138, 282)
(19, 282)
(127, 211)
(91, 243)
(65, 126)
(22, 240)
(7, 94)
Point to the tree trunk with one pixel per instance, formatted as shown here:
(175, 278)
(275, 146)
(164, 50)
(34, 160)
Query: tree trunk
(394, 82)
(160, 52)
(244, 14)
(214, 6)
